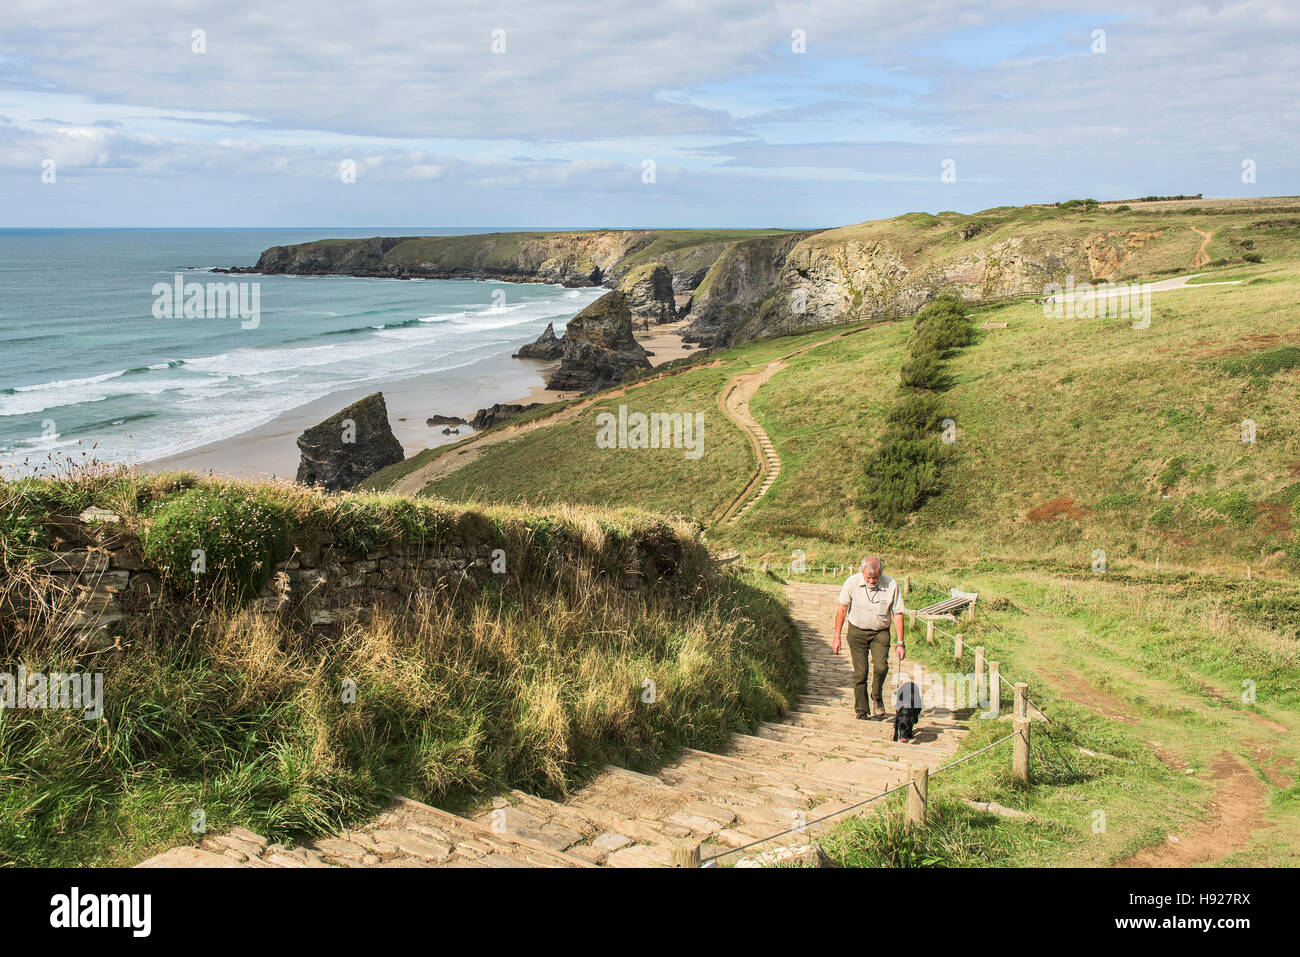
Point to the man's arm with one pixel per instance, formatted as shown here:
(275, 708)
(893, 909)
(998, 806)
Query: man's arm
(839, 623)
(898, 630)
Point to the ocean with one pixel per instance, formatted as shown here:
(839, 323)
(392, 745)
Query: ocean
(97, 354)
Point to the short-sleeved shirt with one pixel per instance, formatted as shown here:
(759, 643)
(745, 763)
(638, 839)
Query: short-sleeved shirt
(872, 609)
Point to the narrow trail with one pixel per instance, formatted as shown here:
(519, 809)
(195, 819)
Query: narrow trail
(1203, 254)
(734, 401)
(817, 760)
(1246, 748)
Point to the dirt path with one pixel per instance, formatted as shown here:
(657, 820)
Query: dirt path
(1203, 254)
(817, 760)
(1235, 814)
(734, 404)
(1239, 799)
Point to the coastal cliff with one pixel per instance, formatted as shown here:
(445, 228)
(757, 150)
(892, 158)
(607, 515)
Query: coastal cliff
(739, 285)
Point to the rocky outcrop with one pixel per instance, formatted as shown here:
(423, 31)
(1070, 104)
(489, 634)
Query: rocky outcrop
(571, 259)
(548, 346)
(599, 347)
(649, 292)
(349, 446)
(739, 283)
(486, 418)
(433, 420)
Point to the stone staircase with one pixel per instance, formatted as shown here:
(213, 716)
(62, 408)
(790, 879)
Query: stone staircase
(818, 760)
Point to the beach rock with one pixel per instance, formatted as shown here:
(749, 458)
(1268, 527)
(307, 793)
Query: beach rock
(649, 291)
(486, 418)
(548, 346)
(349, 446)
(599, 347)
(433, 420)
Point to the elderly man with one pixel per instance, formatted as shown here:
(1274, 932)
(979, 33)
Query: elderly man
(870, 599)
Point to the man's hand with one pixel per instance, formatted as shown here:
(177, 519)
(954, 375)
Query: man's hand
(902, 651)
(835, 645)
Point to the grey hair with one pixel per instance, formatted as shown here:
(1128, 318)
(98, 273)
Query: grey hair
(872, 560)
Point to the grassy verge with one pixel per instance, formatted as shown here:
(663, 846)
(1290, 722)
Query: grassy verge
(533, 680)
(1142, 716)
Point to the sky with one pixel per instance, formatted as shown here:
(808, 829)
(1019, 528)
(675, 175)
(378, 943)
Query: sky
(626, 113)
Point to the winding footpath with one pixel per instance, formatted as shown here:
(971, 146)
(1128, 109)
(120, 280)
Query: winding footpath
(817, 760)
(734, 404)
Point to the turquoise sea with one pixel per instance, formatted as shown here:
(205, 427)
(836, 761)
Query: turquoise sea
(87, 363)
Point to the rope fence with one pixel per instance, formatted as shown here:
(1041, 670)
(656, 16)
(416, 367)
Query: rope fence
(687, 853)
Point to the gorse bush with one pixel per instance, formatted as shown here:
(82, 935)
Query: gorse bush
(923, 372)
(905, 471)
(915, 415)
(206, 539)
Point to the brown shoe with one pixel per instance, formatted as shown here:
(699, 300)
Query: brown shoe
(863, 716)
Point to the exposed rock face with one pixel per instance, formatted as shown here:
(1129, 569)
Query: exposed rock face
(649, 291)
(486, 418)
(571, 259)
(741, 280)
(433, 420)
(348, 446)
(548, 346)
(599, 348)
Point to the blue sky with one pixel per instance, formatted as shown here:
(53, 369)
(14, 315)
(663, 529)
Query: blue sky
(752, 114)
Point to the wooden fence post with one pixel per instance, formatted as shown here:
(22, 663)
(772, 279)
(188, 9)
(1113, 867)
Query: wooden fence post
(956, 655)
(686, 852)
(979, 672)
(929, 632)
(907, 583)
(1020, 757)
(995, 689)
(1022, 698)
(917, 795)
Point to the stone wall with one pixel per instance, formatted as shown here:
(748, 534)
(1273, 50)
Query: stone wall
(98, 576)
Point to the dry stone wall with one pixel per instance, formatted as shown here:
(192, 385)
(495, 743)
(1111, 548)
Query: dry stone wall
(99, 577)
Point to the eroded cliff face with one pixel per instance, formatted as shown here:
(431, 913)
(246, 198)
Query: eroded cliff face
(764, 287)
(747, 288)
(746, 276)
(571, 259)
(649, 292)
(599, 347)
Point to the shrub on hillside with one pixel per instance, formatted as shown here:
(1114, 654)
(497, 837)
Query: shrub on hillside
(205, 540)
(1253, 258)
(915, 416)
(923, 372)
(904, 474)
(942, 335)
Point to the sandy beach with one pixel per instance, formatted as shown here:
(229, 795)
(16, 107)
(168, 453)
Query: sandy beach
(271, 451)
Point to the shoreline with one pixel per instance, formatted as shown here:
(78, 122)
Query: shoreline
(270, 451)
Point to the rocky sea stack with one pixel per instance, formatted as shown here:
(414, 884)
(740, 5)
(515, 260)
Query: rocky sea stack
(649, 291)
(486, 418)
(349, 446)
(548, 346)
(599, 348)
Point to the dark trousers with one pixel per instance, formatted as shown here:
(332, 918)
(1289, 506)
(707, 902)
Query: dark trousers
(869, 648)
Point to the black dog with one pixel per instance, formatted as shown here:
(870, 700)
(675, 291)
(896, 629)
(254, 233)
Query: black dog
(907, 711)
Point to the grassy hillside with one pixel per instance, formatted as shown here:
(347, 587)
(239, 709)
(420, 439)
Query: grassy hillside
(1147, 239)
(1072, 435)
(533, 679)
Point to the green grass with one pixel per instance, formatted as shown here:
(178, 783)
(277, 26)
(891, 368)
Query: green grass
(1162, 651)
